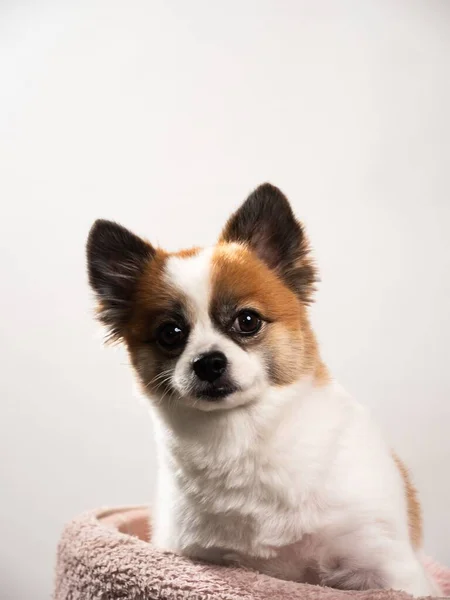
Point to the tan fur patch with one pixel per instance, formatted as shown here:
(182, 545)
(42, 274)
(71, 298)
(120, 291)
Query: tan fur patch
(414, 510)
(187, 253)
(154, 300)
(240, 278)
(154, 294)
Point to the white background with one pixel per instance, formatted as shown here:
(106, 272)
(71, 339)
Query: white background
(163, 116)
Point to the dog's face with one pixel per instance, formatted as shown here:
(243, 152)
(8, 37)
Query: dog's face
(211, 328)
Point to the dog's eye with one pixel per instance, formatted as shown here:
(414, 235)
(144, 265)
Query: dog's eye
(171, 336)
(247, 322)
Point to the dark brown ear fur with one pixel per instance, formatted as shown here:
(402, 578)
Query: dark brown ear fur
(266, 223)
(115, 260)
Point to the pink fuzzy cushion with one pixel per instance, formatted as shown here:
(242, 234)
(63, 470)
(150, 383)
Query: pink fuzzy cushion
(106, 555)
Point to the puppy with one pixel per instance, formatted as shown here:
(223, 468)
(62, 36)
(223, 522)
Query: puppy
(264, 460)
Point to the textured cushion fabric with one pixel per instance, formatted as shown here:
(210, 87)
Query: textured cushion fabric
(107, 555)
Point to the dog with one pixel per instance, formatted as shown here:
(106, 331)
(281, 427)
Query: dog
(264, 460)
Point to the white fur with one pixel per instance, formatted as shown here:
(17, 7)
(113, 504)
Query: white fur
(295, 481)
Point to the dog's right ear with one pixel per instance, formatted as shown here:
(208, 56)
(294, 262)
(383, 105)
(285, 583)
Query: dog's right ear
(115, 260)
(267, 225)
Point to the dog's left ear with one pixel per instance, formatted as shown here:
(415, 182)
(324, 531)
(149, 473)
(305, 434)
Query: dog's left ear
(267, 225)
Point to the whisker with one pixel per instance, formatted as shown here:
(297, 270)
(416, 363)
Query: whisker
(162, 375)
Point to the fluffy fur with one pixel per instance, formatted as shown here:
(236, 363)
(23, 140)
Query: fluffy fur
(266, 462)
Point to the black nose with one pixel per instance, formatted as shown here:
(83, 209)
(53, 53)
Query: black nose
(209, 367)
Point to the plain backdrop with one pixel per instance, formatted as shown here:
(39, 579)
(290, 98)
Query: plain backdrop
(163, 116)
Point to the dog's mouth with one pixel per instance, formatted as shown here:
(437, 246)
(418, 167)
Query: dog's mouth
(214, 392)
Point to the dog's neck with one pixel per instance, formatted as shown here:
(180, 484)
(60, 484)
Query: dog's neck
(238, 429)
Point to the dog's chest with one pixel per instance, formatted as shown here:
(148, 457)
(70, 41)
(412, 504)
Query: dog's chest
(251, 503)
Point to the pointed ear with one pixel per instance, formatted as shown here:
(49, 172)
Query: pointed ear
(266, 224)
(115, 259)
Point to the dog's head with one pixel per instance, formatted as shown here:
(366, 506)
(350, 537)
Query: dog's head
(211, 328)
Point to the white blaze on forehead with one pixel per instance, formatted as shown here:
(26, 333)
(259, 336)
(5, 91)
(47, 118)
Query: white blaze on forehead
(192, 276)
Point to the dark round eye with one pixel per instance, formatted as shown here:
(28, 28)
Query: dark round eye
(171, 336)
(247, 323)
